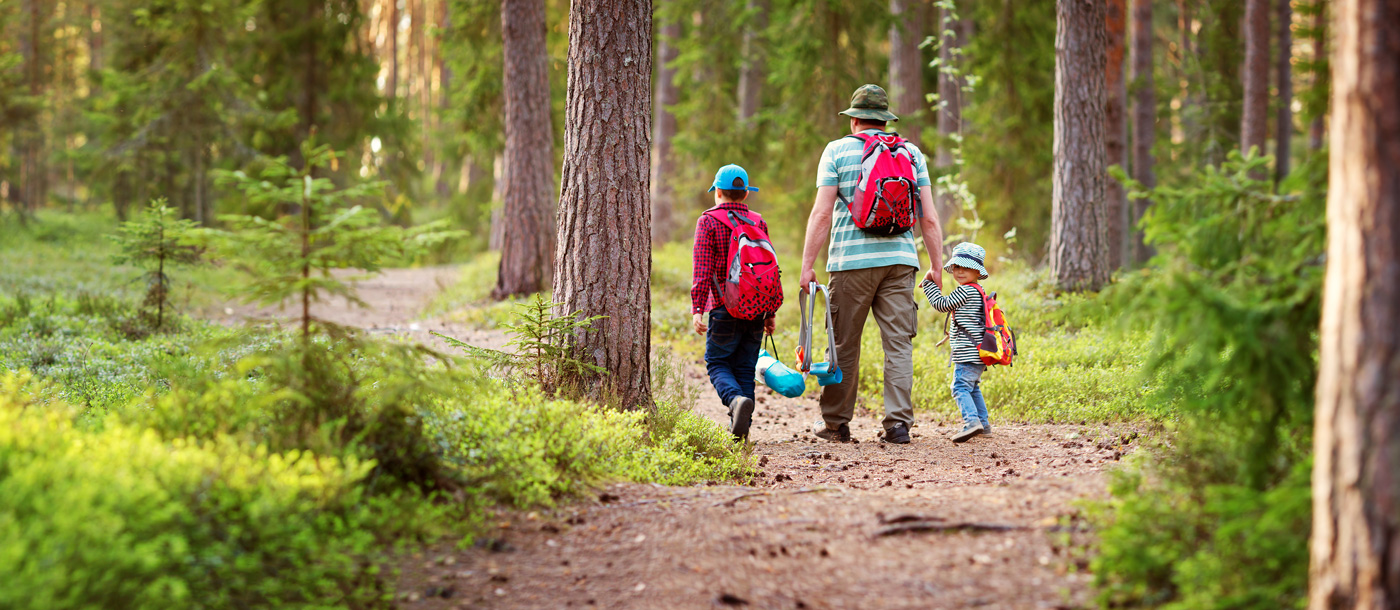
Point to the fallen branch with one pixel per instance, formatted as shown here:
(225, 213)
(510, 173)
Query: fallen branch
(805, 490)
(929, 526)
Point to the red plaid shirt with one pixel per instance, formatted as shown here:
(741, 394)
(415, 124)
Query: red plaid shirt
(709, 257)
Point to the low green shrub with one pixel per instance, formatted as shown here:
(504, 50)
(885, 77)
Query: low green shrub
(1219, 517)
(124, 518)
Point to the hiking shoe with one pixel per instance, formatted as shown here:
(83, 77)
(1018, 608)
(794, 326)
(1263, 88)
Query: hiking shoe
(968, 432)
(841, 434)
(897, 434)
(987, 429)
(740, 416)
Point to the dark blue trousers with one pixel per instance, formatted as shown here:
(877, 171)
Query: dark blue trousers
(731, 354)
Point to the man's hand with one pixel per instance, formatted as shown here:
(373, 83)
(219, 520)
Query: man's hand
(769, 325)
(699, 321)
(808, 276)
(934, 276)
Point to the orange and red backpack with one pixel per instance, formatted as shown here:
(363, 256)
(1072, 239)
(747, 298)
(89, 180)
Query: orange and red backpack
(998, 343)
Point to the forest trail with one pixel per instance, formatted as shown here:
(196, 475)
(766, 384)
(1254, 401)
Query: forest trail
(986, 524)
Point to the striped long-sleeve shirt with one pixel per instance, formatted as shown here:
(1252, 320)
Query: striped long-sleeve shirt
(968, 319)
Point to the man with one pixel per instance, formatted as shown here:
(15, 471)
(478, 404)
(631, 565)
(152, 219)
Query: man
(868, 273)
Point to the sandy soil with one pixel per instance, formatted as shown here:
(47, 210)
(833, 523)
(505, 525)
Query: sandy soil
(987, 524)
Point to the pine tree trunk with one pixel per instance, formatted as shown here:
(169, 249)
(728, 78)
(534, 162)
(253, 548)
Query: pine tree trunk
(1356, 469)
(1283, 75)
(907, 65)
(442, 188)
(1116, 133)
(751, 72)
(1144, 120)
(30, 135)
(1254, 126)
(527, 246)
(1317, 128)
(604, 256)
(1078, 256)
(393, 90)
(950, 105)
(663, 162)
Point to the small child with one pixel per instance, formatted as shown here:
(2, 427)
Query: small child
(731, 344)
(965, 302)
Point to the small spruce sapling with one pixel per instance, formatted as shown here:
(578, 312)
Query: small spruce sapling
(539, 339)
(157, 239)
(292, 258)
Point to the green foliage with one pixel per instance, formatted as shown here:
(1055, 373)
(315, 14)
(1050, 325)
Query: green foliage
(541, 350)
(293, 258)
(158, 239)
(215, 524)
(1234, 304)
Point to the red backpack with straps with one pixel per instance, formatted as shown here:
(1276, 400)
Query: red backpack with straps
(751, 287)
(887, 196)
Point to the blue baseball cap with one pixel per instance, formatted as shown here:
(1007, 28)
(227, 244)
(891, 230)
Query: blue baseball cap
(732, 177)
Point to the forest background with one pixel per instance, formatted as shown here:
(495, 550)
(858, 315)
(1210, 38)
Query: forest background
(109, 104)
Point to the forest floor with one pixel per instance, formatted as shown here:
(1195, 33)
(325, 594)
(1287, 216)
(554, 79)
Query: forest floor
(988, 524)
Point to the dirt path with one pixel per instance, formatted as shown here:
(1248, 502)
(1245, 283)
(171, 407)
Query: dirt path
(985, 524)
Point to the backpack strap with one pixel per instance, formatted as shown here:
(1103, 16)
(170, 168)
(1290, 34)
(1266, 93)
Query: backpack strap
(986, 315)
(732, 219)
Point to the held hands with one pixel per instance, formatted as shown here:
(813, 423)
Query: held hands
(699, 321)
(934, 276)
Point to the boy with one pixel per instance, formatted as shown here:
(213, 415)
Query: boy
(965, 302)
(731, 344)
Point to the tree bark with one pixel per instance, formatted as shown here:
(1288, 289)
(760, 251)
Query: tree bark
(907, 66)
(1144, 120)
(1356, 470)
(604, 256)
(1254, 125)
(1283, 74)
(751, 72)
(393, 52)
(663, 163)
(1078, 256)
(1317, 128)
(527, 246)
(1116, 133)
(949, 104)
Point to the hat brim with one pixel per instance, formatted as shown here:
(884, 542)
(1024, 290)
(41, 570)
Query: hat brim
(962, 261)
(747, 188)
(870, 113)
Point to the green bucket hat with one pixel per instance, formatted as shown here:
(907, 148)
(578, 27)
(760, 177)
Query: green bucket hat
(870, 102)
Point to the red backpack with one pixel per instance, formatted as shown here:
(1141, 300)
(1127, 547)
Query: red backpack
(752, 287)
(887, 197)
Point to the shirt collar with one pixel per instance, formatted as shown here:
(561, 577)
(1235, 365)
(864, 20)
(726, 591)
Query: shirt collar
(733, 205)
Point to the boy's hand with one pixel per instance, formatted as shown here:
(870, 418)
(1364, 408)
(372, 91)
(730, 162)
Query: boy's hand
(769, 325)
(699, 321)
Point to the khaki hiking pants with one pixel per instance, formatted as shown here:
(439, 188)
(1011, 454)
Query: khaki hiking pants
(889, 292)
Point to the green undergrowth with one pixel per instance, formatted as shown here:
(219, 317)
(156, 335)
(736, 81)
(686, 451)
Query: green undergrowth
(200, 465)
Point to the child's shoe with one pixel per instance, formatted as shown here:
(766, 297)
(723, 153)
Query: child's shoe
(897, 434)
(740, 416)
(968, 432)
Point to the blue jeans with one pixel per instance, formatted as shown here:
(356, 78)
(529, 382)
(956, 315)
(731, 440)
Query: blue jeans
(731, 354)
(967, 392)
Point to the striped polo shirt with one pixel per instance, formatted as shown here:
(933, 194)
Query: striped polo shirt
(852, 248)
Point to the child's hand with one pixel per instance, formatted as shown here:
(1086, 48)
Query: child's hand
(769, 325)
(699, 321)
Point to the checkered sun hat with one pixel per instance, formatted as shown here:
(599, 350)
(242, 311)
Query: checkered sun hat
(969, 255)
